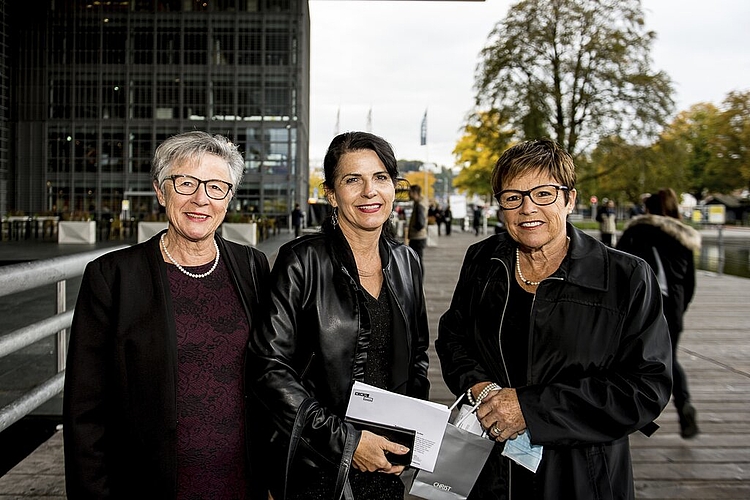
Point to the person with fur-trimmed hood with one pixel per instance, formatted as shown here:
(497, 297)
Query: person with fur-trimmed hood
(668, 245)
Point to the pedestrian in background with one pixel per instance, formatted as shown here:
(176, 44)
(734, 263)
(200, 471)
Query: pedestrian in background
(607, 218)
(448, 219)
(418, 221)
(345, 304)
(435, 216)
(297, 219)
(154, 403)
(477, 219)
(557, 337)
(668, 245)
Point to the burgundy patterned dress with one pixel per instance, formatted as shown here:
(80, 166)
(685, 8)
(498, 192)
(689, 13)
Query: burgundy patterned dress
(212, 333)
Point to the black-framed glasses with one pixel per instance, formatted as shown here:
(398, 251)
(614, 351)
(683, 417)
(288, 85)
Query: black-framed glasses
(546, 194)
(187, 184)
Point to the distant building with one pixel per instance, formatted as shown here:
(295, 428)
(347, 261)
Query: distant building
(737, 209)
(89, 89)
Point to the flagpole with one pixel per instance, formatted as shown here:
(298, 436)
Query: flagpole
(423, 141)
(427, 161)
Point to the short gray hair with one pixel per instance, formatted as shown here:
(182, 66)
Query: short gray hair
(191, 146)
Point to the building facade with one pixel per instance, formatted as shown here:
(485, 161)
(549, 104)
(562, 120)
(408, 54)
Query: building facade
(97, 85)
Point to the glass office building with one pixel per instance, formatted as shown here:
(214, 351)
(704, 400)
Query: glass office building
(96, 85)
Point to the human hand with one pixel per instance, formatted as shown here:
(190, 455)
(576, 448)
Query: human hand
(501, 416)
(370, 454)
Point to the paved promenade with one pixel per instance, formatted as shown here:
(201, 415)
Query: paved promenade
(715, 353)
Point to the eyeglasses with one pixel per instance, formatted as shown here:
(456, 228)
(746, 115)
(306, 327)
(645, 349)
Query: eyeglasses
(543, 195)
(187, 184)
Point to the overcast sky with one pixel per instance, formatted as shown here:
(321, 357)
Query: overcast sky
(398, 58)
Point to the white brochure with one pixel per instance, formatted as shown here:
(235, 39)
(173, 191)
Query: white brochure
(428, 419)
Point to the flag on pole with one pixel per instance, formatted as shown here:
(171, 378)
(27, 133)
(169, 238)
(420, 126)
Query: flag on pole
(369, 120)
(338, 118)
(423, 131)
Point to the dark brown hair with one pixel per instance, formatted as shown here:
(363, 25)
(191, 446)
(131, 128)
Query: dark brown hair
(664, 202)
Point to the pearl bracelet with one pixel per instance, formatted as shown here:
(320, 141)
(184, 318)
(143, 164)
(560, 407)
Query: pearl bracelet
(470, 397)
(485, 392)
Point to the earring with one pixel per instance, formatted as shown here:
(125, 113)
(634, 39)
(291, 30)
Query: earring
(335, 217)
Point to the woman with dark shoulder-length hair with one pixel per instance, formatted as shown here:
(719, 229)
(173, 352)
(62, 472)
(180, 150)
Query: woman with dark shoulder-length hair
(555, 336)
(346, 305)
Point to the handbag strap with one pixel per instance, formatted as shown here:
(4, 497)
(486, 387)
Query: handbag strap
(299, 423)
(342, 480)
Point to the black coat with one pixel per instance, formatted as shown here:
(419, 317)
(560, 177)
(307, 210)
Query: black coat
(674, 243)
(599, 365)
(314, 342)
(119, 406)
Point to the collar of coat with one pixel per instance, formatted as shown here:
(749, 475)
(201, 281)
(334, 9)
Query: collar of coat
(586, 264)
(342, 252)
(686, 235)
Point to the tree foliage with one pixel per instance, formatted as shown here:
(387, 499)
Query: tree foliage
(427, 181)
(624, 172)
(712, 145)
(486, 136)
(315, 184)
(704, 150)
(574, 70)
(733, 140)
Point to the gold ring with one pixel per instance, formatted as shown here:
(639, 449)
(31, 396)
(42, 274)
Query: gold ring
(495, 431)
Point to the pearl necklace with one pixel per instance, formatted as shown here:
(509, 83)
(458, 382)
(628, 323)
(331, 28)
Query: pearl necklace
(185, 271)
(520, 274)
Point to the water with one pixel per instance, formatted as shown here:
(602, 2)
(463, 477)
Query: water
(732, 258)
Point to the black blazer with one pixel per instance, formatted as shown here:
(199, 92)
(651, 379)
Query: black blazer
(119, 406)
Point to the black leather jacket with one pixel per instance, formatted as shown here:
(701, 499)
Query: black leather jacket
(599, 365)
(314, 340)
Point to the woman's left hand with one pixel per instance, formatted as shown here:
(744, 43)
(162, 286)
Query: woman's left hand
(370, 454)
(501, 416)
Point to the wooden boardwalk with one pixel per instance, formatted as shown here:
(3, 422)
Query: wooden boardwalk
(715, 352)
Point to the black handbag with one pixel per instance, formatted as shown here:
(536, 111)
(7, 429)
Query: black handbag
(342, 489)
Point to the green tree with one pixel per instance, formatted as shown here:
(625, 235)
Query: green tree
(733, 139)
(409, 165)
(709, 144)
(486, 136)
(443, 186)
(624, 171)
(575, 70)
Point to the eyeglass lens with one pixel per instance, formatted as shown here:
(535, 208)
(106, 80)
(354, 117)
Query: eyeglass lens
(187, 184)
(540, 195)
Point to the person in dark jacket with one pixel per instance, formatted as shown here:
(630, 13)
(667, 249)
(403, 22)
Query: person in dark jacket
(154, 403)
(477, 219)
(556, 336)
(662, 240)
(346, 305)
(418, 221)
(297, 220)
(448, 219)
(607, 219)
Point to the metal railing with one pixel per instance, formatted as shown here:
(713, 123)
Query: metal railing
(27, 276)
